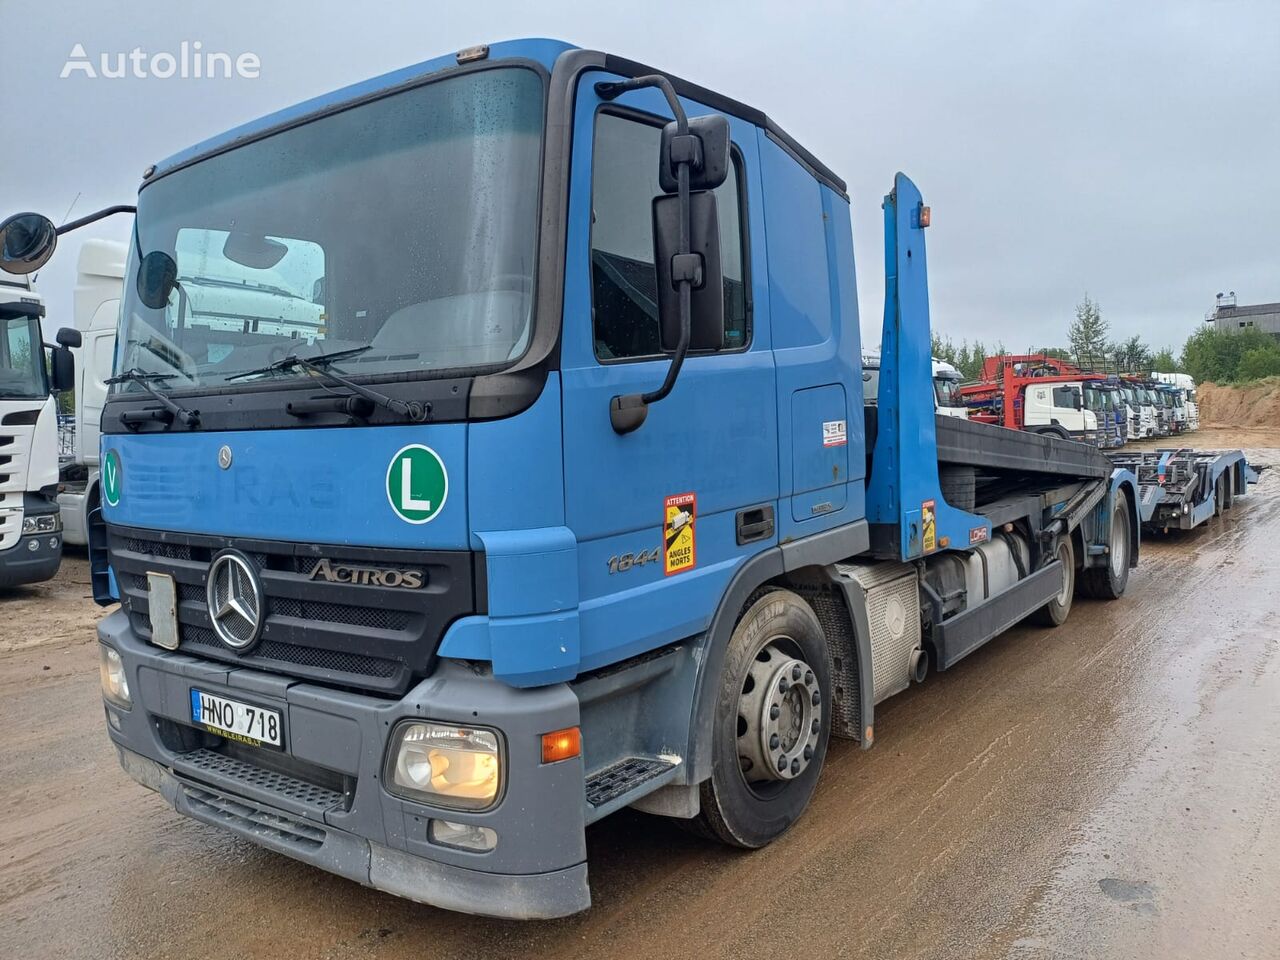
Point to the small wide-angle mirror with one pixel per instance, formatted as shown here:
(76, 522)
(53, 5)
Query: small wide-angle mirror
(708, 153)
(260, 253)
(157, 276)
(27, 241)
(69, 337)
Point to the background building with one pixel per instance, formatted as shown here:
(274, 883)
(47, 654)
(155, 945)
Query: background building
(1230, 316)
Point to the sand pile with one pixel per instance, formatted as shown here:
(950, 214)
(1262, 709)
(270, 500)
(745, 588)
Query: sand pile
(1251, 405)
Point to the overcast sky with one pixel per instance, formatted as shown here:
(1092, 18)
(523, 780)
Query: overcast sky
(1130, 150)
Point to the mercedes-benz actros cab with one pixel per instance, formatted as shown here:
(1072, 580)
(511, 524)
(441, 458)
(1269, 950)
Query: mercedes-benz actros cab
(541, 483)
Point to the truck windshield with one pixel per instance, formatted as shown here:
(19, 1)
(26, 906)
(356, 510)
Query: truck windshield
(406, 224)
(21, 359)
(946, 391)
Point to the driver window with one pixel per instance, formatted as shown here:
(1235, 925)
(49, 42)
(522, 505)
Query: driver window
(623, 277)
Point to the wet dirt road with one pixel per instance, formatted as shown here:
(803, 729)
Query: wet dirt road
(1109, 789)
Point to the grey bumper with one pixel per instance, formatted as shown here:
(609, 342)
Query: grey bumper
(538, 868)
(32, 559)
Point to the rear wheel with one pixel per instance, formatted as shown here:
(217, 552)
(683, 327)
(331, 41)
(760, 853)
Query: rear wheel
(773, 719)
(1055, 612)
(1219, 496)
(1228, 488)
(1108, 582)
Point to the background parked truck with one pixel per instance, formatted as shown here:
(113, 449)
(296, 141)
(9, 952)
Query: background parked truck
(96, 308)
(30, 524)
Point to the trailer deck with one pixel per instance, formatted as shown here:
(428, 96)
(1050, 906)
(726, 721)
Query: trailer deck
(1180, 488)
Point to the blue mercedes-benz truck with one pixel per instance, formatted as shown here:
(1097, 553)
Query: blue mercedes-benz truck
(487, 453)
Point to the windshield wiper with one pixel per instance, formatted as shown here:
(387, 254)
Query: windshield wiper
(293, 360)
(190, 418)
(319, 366)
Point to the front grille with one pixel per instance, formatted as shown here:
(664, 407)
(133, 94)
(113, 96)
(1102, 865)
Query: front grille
(362, 636)
(334, 660)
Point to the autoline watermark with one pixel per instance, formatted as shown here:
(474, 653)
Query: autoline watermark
(189, 62)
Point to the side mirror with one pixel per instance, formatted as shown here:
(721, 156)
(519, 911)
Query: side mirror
(157, 276)
(69, 337)
(1077, 399)
(27, 241)
(705, 147)
(701, 266)
(62, 365)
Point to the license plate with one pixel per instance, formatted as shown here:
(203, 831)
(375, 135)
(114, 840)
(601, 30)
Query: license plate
(243, 722)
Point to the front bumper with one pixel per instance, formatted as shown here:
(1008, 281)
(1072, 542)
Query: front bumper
(538, 867)
(33, 558)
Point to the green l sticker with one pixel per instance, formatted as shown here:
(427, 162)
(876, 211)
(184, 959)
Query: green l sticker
(111, 478)
(417, 483)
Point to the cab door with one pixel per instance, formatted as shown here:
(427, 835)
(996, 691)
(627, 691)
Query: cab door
(664, 515)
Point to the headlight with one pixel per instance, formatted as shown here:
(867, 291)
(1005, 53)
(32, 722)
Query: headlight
(115, 686)
(44, 523)
(444, 765)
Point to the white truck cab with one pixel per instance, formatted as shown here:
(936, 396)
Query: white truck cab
(946, 380)
(30, 527)
(96, 304)
(1060, 403)
(946, 385)
(1142, 413)
(1187, 389)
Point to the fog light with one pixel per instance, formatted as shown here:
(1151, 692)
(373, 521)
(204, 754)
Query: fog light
(44, 523)
(115, 686)
(33, 545)
(464, 836)
(445, 765)
(112, 720)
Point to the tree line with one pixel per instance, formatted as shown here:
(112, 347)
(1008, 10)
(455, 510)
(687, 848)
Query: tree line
(1208, 354)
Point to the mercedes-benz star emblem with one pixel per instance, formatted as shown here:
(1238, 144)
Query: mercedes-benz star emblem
(224, 457)
(235, 600)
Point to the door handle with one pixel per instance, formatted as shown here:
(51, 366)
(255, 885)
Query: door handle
(755, 523)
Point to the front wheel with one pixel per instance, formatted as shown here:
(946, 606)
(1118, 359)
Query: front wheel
(772, 723)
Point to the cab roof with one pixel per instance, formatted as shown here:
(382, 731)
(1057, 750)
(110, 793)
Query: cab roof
(542, 51)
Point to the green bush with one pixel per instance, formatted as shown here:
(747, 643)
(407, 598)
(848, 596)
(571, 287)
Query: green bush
(1212, 354)
(1260, 362)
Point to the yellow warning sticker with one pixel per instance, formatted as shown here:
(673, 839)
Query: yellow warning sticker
(929, 514)
(679, 544)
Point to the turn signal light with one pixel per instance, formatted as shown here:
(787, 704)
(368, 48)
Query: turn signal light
(561, 745)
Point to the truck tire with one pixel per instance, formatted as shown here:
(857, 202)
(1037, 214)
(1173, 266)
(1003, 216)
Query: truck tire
(1108, 582)
(958, 486)
(1219, 495)
(1055, 612)
(1060, 432)
(772, 723)
(1228, 488)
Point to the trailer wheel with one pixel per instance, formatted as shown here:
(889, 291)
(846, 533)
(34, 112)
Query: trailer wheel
(773, 719)
(1109, 582)
(1055, 612)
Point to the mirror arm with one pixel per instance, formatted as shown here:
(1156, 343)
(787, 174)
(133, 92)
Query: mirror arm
(627, 413)
(95, 217)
